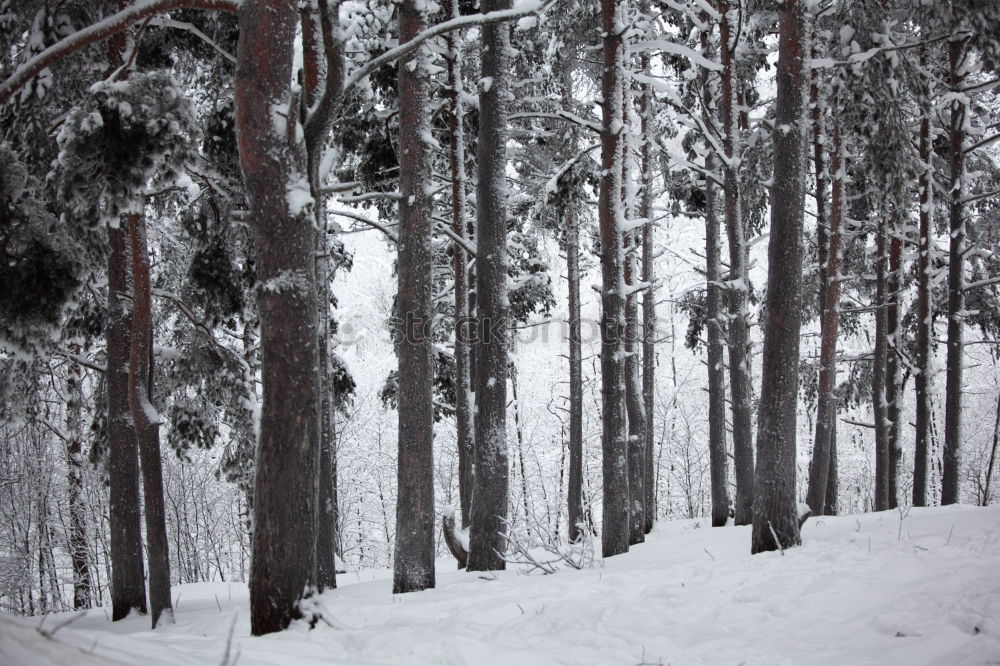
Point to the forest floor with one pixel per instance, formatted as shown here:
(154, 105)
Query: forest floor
(917, 587)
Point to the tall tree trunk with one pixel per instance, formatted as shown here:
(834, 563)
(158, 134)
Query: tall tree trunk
(993, 457)
(414, 549)
(648, 296)
(633, 396)
(634, 407)
(78, 547)
(956, 265)
(823, 462)
(718, 458)
(326, 534)
(924, 320)
(147, 423)
(881, 497)
(273, 161)
(614, 437)
(490, 490)
(739, 280)
(317, 75)
(128, 586)
(893, 379)
(519, 438)
(833, 481)
(775, 519)
(577, 519)
(463, 406)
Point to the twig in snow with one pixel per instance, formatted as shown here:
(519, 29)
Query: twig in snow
(49, 633)
(950, 532)
(643, 662)
(776, 539)
(217, 602)
(229, 644)
(709, 554)
(902, 516)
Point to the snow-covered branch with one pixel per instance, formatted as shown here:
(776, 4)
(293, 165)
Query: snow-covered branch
(374, 224)
(162, 22)
(673, 48)
(99, 31)
(523, 9)
(591, 125)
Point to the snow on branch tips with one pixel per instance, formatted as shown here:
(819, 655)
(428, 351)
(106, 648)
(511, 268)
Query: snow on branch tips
(99, 31)
(522, 9)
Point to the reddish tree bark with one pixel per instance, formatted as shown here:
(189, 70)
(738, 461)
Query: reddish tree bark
(775, 519)
(147, 423)
(489, 494)
(614, 437)
(413, 565)
(273, 162)
(128, 586)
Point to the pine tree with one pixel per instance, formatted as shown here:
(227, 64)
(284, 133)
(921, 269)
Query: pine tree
(285, 498)
(413, 567)
(489, 494)
(775, 519)
(614, 438)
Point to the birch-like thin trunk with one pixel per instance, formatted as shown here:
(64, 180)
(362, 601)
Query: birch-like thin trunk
(718, 458)
(634, 403)
(924, 320)
(881, 494)
(824, 461)
(739, 279)
(316, 76)
(577, 518)
(648, 296)
(78, 547)
(463, 381)
(956, 279)
(986, 496)
(893, 376)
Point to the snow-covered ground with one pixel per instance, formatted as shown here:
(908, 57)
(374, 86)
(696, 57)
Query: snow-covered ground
(918, 587)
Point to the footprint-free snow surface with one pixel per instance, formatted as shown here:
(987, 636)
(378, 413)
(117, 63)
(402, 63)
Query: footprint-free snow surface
(918, 587)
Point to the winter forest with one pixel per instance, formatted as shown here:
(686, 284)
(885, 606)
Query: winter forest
(532, 332)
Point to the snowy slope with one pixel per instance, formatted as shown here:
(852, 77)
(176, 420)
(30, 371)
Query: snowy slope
(921, 587)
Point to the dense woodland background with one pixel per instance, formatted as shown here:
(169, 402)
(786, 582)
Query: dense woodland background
(284, 281)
